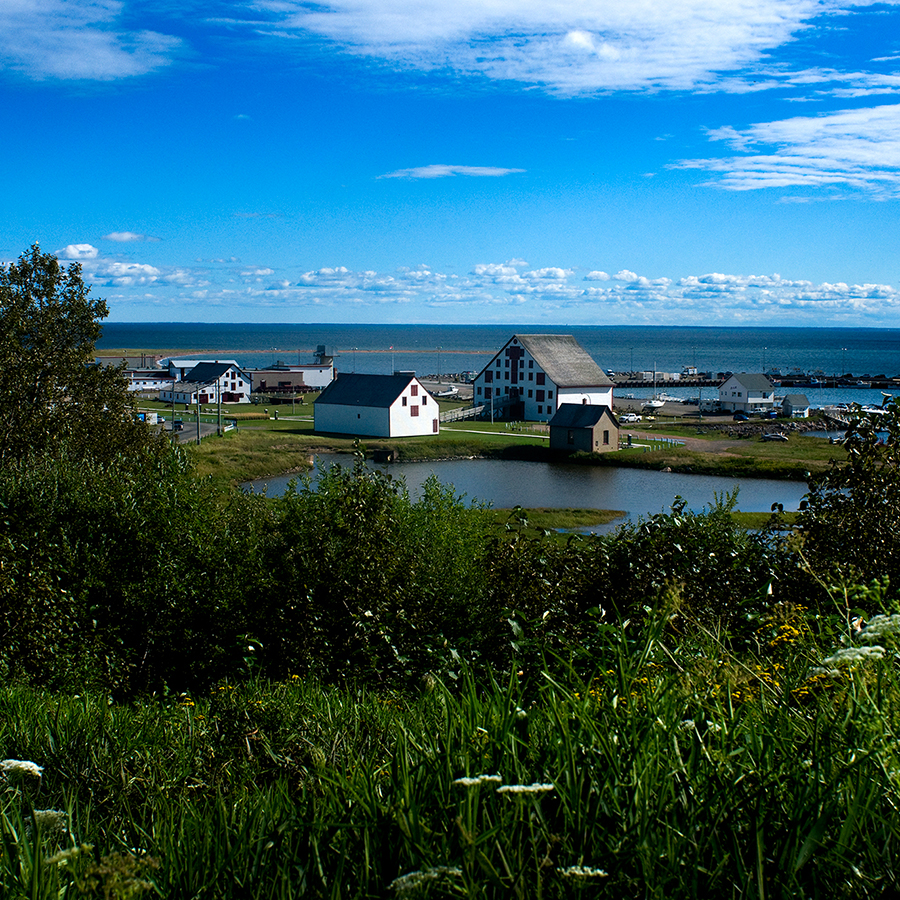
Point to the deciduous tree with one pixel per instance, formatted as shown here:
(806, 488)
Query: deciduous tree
(53, 398)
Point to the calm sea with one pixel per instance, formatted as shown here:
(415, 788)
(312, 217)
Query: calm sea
(428, 349)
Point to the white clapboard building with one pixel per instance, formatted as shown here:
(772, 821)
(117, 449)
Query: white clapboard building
(377, 406)
(534, 374)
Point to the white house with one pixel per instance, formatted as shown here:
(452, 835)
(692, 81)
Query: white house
(376, 405)
(180, 368)
(210, 382)
(746, 391)
(533, 374)
(144, 380)
(796, 406)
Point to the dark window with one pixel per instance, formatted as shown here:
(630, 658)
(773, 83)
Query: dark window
(424, 399)
(530, 363)
(434, 425)
(605, 437)
(530, 393)
(539, 396)
(531, 376)
(478, 391)
(540, 410)
(507, 364)
(549, 395)
(540, 378)
(487, 392)
(414, 411)
(488, 376)
(570, 436)
(498, 362)
(403, 399)
(414, 390)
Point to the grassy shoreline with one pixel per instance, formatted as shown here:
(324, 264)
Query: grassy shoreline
(268, 448)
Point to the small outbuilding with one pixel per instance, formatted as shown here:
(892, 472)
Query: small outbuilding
(795, 406)
(578, 426)
(376, 406)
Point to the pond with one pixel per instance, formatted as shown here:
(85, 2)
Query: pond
(638, 492)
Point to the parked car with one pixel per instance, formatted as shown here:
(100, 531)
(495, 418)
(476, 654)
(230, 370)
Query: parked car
(177, 425)
(740, 416)
(629, 417)
(774, 436)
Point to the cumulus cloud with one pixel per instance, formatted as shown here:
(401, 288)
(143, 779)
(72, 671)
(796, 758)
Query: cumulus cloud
(857, 149)
(594, 45)
(596, 275)
(126, 237)
(490, 288)
(445, 171)
(494, 270)
(125, 274)
(550, 273)
(85, 40)
(78, 251)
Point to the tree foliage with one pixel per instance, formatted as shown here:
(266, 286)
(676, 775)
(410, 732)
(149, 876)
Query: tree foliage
(53, 398)
(851, 523)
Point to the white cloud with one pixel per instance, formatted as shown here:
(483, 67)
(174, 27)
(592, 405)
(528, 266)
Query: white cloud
(125, 237)
(596, 275)
(444, 171)
(78, 251)
(494, 270)
(492, 291)
(551, 273)
(125, 274)
(594, 45)
(77, 40)
(858, 149)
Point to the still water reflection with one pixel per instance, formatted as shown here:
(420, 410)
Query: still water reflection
(637, 492)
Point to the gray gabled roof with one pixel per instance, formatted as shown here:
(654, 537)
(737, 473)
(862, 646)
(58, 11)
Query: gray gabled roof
(753, 381)
(796, 399)
(565, 361)
(579, 415)
(364, 390)
(206, 372)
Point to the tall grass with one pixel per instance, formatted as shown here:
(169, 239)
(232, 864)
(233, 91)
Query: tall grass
(679, 768)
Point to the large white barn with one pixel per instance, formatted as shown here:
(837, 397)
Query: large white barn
(534, 374)
(377, 406)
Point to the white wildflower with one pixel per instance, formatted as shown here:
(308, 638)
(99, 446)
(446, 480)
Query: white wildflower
(50, 822)
(583, 872)
(854, 654)
(879, 626)
(818, 670)
(63, 856)
(412, 881)
(524, 788)
(478, 779)
(20, 767)
(520, 713)
(686, 725)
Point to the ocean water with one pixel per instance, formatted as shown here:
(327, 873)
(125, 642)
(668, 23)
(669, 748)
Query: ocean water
(429, 349)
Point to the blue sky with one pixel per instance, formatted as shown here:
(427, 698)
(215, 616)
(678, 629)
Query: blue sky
(460, 161)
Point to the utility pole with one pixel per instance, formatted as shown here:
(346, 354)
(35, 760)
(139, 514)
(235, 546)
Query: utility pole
(198, 420)
(219, 398)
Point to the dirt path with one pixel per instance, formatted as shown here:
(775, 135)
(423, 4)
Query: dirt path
(701, 445)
